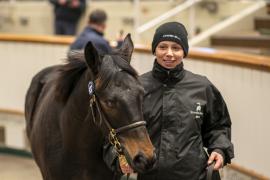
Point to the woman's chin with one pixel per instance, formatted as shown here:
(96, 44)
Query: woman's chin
(168, 65)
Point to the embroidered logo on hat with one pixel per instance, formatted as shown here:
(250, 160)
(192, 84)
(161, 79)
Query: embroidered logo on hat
(171, 36)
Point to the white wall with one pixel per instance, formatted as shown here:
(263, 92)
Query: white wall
(14, 127)
(18, 63)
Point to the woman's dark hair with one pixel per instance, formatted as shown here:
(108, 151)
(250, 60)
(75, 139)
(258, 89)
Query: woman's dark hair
(97, 16)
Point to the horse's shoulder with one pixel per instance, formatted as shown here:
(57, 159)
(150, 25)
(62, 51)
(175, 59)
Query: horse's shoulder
(45, 74)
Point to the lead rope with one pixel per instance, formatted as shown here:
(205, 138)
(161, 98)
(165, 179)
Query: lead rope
(92, 102)
(210, 170)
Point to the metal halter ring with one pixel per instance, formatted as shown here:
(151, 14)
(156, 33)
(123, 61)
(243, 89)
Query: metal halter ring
(114, 141)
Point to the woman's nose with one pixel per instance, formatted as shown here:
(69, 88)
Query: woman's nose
(169, 52)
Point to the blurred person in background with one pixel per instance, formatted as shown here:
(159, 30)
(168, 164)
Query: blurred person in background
(94, 32)
(185, 113)
(67, 14)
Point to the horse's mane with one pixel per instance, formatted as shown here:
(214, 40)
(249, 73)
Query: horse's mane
(71, 72)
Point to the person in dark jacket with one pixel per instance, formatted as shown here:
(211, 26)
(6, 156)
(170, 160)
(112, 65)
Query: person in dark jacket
(94, 32)
(185, 113)
(67, 14)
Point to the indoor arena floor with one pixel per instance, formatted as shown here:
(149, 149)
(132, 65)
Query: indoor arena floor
(18, 168)
(21, 168)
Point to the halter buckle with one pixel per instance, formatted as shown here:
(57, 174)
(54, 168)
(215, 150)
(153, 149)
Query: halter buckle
(114, 141)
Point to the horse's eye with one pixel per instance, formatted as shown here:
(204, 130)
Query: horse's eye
(110, 103)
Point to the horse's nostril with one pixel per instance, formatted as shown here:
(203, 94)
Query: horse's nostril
(142, 163)
(139, 159)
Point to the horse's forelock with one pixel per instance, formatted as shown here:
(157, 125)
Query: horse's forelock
(110, 66)
(106, 72)
(124, 65)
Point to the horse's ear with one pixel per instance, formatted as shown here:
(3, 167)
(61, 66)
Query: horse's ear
(127, 48)
(92, 57)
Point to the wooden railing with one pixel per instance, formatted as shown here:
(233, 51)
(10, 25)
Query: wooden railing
(11, 112)
(247, 41)
(255, 61)
(247, 172)
(37, 39)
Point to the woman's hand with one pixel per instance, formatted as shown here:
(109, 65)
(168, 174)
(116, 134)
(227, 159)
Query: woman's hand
(217, 158)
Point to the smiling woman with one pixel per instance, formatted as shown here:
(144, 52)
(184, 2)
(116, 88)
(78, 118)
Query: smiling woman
(170, 45)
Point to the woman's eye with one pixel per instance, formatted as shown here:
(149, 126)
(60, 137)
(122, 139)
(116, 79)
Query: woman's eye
(162, 47)
(176, 48)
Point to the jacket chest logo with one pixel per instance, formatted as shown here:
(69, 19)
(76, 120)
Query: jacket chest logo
(198, 111)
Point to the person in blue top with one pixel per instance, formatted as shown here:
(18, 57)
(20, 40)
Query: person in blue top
(94, 32)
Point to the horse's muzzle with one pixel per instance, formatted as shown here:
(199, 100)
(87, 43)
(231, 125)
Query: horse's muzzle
(143, 164)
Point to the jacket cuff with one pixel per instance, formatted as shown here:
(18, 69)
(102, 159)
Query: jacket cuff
(219, 151)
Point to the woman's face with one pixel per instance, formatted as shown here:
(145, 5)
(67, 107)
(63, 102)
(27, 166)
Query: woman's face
(169, 54)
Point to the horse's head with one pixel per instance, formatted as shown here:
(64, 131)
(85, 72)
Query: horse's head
(118, 100)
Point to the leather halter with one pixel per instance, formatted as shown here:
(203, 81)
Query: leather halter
(112, 136)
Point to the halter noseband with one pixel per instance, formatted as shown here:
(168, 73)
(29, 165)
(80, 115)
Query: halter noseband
(112, 136)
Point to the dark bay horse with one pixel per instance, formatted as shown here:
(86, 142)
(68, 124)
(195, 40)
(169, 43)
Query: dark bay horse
(71, 108)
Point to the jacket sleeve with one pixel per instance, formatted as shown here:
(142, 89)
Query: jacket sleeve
(54, 2)
(216, 127)
(82, 6)
(103, 47)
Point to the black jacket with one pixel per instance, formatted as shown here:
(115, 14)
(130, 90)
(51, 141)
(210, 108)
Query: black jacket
(90, 34)
(66, 12)
(184, 113)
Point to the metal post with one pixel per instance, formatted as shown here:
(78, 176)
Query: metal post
(136, 19)
(192, 22)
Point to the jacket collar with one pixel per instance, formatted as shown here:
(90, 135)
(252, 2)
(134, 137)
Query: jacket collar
(168, 76)
(89, 28)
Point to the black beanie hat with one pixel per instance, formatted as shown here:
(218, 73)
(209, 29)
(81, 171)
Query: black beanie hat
(171, 31)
